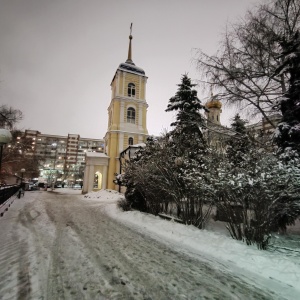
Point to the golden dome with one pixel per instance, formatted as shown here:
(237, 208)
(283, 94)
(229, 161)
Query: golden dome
(213, 104)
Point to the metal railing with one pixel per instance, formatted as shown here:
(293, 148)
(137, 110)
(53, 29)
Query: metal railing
(8, 191)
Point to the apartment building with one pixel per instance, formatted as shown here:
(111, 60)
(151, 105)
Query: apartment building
(62, 157)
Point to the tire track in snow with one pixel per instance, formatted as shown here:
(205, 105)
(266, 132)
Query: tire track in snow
(14, 264)
(138, 267)
(81, 253)
(64, 275)
(55, 288)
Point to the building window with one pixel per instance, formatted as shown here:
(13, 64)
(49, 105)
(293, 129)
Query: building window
(131, 90)
(130, 141)
(131, 115)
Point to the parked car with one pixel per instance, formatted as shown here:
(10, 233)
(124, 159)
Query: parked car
(32, 186)
(77, 187)
(41, 185)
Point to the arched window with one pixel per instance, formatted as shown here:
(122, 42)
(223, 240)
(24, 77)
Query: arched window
(130, 141)
(131, 90)
(131, 115)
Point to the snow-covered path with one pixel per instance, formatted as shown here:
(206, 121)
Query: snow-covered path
(62, 246)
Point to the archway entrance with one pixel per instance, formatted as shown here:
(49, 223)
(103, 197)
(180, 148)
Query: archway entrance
(95, 172)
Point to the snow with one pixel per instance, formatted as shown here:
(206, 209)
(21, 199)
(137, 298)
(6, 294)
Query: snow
(39, 245)
(95, 154)
(279, 272)
(138, 145)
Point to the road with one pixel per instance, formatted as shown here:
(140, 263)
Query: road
(59, 246)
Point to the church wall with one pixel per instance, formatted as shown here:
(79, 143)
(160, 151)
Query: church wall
(115, 115)
(142, 87)
(121, 83)
(136, 139)
(113, 153)
(144, 123)
(127, 136)
(113, 88)
(125, 143)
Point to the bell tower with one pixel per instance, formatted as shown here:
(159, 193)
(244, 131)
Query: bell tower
(127, 112)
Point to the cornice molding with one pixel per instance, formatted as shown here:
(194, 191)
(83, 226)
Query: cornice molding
(128, 132)
(129, 99)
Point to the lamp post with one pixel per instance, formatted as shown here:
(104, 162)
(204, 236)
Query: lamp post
(5, 137)
(22, 187)
(22, 173)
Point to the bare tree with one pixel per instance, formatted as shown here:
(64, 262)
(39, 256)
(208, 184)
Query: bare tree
(247, 69)
(17, 155)
(9, 117)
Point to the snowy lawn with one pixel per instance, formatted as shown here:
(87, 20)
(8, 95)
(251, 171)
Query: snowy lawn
(280, 272)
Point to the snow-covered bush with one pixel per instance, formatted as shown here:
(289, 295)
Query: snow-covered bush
(255, 191)
(146, 177)
(124, 204)
(260, 196)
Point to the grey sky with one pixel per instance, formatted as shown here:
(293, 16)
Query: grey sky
(58, 57)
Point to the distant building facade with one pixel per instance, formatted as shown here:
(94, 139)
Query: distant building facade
(62, 158)
(218, 135)
(264, 127)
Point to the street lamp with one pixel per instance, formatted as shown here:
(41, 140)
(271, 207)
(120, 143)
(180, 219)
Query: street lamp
(5, 137)
(22, 173)
(22, 186)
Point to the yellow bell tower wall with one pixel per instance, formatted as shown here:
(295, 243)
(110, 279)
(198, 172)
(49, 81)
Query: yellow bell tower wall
(127, 114)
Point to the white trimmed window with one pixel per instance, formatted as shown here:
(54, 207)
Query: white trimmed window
(131, 90)
(131, 115)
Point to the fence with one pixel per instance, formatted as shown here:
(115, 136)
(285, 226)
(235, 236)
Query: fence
(7, 191)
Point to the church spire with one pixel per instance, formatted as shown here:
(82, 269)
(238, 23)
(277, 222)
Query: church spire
(129, 59)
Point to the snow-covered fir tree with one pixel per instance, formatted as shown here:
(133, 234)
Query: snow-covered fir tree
(170, 174)
(288, 130)
(187, 135)
(238, 145)
(190, 151)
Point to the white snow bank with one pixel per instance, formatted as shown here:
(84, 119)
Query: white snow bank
(275, 271)
(104, 196)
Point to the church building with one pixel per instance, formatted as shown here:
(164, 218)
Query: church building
(127, 125)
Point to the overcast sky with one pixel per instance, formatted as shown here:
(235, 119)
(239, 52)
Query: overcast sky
(58, 57)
